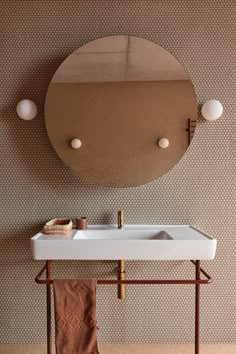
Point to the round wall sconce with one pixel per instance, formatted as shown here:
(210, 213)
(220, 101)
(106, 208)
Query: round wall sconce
(163, 143)
(75, 143)
(212, 110)
(26, 109)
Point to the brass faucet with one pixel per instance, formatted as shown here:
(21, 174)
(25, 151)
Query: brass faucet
(120, 219)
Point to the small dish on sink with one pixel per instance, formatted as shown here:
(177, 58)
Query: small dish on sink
(58, 227)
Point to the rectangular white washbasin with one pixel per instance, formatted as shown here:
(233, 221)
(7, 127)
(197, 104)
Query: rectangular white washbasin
(122, 234)
(137, 242)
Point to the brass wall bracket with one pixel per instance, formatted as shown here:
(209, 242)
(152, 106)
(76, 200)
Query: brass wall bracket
(192, 123)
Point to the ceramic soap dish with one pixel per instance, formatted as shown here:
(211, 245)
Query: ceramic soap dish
(58, 227)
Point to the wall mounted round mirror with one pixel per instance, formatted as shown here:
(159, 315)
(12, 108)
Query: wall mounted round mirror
(128, 101)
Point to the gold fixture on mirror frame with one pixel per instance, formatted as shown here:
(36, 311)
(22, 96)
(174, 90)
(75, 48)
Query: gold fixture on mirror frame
(192, 124)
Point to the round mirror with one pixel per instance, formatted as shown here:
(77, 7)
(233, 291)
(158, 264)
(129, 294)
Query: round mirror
(127, 101)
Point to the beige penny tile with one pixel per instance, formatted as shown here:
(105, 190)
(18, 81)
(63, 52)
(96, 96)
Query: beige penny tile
(36, 36)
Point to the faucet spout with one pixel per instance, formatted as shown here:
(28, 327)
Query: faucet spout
(120, 219)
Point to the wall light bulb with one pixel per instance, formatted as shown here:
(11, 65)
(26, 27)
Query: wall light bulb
(212, 110)
(26, 109)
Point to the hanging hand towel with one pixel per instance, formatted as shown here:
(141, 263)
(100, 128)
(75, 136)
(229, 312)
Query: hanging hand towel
(75, 316)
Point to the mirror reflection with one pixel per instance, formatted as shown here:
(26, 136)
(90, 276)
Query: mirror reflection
(127, 101)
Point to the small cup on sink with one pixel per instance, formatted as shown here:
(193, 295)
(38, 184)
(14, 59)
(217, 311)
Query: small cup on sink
(81, 223)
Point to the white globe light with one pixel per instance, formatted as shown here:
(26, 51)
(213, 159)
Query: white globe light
(163, 143)
(212, 110)
(75, 143)
(26, 109)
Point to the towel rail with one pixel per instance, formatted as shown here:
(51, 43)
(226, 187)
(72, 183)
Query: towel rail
(197, 282)
(140, 282)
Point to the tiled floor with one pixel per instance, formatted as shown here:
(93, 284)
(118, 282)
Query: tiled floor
(128, 349)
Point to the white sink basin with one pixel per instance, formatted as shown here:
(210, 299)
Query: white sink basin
(140, 242)
(122, 234)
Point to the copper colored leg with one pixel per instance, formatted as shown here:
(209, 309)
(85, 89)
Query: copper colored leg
(197, 309)
(49, 340)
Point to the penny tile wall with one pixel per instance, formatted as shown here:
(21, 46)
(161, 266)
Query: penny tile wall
(36, 36)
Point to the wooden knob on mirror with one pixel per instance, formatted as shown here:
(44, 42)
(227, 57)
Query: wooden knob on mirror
(163, 143)
(75, 143)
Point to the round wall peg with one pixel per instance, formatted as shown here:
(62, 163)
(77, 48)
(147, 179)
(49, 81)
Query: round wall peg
(76, 143)
(163, 143)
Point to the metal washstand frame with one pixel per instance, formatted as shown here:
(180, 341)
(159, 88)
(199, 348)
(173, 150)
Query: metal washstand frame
(197, 282)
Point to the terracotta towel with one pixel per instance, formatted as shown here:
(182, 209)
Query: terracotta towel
(75, 316)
